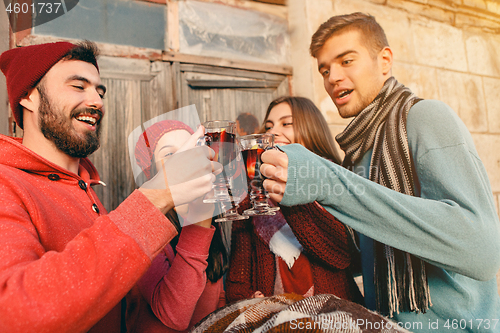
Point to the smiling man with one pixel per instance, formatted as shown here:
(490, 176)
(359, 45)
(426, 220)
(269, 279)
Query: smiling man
(419, 195)
(65, 264)
(64, 111)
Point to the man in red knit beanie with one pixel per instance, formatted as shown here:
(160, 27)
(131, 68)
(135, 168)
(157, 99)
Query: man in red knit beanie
(65, 263)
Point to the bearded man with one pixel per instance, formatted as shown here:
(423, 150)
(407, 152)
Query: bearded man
(65, 263)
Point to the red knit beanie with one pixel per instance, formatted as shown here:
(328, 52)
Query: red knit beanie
(146, 145)
(24, 67)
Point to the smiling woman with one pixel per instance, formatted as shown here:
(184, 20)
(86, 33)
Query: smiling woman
(298, 120)
(302, 249)
(168, 144)
(192, 265)
(160, 138)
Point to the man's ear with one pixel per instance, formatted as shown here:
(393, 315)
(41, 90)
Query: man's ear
(31, 101)
(385, 58)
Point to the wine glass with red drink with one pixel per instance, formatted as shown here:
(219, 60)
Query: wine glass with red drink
(252, 146)
(220, 135)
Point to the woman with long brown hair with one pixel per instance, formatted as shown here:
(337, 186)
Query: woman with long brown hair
(302, 249)
(299, 118)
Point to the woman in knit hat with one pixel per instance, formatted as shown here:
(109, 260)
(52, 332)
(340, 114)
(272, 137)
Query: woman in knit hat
(302, 249)
(184, 282)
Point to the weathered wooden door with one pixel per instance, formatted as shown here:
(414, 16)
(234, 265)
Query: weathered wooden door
(139, 90)
(224, 93)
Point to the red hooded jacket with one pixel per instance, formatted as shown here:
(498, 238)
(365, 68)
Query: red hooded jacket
(65, 263)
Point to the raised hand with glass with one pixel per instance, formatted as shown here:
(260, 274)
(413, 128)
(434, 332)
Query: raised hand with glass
(220, 135)
(252, 147)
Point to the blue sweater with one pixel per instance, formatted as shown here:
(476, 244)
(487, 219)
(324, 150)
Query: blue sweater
(451, 223)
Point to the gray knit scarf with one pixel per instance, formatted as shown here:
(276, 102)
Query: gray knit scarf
(400, 278)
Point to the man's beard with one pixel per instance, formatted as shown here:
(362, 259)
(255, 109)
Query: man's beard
(59, 129)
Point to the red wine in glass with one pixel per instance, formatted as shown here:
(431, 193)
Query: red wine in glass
(220, 135)
(252, 148)
(251, 158)
(223, 143)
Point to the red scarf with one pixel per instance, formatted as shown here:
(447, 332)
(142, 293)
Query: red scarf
(292, 274)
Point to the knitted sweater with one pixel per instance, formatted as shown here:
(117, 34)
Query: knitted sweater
(451, 223)
(326, 246)
(176, 288)
(64, 263)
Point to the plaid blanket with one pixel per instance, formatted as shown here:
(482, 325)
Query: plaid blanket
(294, 313)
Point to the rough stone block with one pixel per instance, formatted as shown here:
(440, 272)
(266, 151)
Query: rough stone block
(487, 148)
(464, 93)
(467, 22)
(304, 66)
(497, 203)
(432, 12)
(492, 96)
(397, 29)
(421, 80)
(424, 2)
(493, 6)
(483, 52)
(446, 4)
(439, 45)
(372, 7)
(337, 129)
(394, 22)
(350, 6)
(318, 12)
(498, 207)
(481, 4)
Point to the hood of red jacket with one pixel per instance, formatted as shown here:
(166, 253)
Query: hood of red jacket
(15, 155)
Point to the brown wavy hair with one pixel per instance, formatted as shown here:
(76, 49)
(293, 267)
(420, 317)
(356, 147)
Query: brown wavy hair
(371, 32)
(309, 126)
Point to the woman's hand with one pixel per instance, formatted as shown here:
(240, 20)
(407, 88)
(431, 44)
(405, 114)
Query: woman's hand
(199, 213)
(185, 176)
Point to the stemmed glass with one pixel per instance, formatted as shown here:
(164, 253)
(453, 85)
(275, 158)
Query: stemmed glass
(220, 135)
(252, 147)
